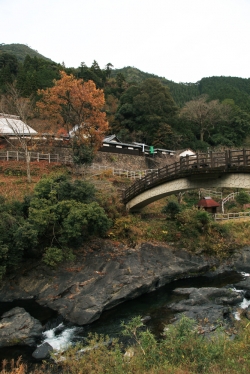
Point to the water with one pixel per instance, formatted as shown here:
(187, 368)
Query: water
(60, 334)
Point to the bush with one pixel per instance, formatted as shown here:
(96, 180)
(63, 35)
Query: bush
(243, 198)
(60, 211)
(171, 209)
(60, 187)
(203, 218)
(54, 256)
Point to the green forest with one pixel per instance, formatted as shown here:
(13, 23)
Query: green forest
(142, 107)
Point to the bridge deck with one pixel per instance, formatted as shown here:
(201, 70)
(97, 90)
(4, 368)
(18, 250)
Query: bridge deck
(210, 164)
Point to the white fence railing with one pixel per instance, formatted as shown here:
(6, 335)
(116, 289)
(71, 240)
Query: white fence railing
(227, 216)
(34, 156)
(133, 174)
(230, 197)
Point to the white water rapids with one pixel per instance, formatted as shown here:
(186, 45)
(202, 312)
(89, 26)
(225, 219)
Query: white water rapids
(61, 337)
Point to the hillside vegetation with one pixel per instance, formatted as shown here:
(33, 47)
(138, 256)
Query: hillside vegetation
(51, 217)
(21, 51)
(140, 106)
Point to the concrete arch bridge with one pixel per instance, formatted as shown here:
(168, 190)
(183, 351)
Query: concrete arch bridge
(229, 169)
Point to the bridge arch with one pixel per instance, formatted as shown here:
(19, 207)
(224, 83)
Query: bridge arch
(204, 170)
(233, 180)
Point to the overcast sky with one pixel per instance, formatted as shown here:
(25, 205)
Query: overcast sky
(181, 40)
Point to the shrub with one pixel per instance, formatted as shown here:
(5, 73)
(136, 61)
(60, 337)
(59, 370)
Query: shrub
(203, 217)
(172, 209)
(243, 198)
(60, 187)
(53, 256)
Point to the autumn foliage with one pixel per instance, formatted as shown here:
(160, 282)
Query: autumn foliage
(74, 104)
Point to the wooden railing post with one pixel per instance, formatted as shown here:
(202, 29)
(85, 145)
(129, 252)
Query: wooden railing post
(211, 159)
(226, 158)
(229, 158)
(244, 158)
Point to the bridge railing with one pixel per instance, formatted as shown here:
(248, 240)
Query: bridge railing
(201, 162)
(227, 216)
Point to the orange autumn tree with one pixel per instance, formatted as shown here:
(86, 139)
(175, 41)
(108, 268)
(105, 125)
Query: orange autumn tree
(77, 106)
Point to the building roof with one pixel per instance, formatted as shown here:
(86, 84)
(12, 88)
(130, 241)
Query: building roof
(112, 138)
(208, 202)
(186, 152)
(12, 125)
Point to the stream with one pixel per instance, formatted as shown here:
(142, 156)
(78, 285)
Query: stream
(60, 333)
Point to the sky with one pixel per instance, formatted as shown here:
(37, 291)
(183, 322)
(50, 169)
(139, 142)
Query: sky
(181, 40)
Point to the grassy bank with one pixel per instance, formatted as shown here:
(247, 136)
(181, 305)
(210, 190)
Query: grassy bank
(183, 350)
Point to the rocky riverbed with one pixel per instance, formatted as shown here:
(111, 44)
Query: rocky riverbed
(106, 274)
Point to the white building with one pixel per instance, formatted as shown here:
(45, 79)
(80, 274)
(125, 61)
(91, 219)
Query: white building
(11, 125)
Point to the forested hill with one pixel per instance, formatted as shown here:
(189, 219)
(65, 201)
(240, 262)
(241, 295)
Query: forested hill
(140, 106)
(237, 89)
(181, 92)
(20, 51)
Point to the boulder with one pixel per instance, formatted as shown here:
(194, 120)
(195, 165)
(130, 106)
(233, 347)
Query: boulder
(242, 260)
(247, 313)
(210, 307)
(43, 351)
(244, 285)
(17, 327)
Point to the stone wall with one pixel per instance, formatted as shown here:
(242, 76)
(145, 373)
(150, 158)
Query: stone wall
(114, 160)
(132, 162)
(121, 161)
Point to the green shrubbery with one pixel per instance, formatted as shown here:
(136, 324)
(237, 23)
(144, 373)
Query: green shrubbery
(171, 209)
(183, 350)
(56, 218)
(243, 198)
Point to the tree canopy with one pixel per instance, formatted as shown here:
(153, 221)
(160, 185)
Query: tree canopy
(205, 114)
(76, 105)
(145, 109)
(139, 106)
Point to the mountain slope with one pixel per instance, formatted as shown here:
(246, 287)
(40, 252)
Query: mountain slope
(20, 51)
(237, 89)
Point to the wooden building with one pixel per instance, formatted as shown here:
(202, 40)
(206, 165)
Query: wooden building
(208, 204)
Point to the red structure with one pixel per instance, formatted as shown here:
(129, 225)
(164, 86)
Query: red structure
(208, 204)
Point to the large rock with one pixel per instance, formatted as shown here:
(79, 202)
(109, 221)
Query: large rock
(43, 351)
(106, 274)
(103, 276)
(17, 327)
(209, 306)
(244, 285)
(242, 260)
